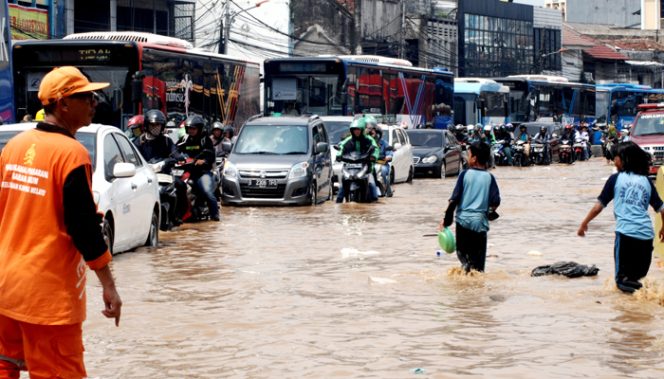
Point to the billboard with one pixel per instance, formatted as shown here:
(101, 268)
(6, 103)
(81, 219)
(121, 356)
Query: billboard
(29, 22)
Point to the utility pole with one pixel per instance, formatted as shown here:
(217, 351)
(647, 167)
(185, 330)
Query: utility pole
(402, 37)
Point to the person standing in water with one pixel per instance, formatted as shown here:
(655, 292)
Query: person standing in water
(632, 193)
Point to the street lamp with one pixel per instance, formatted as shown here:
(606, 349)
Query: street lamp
(228, 20)
(540, 61)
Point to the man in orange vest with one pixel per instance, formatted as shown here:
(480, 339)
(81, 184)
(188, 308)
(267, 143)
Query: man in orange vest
(50, 232)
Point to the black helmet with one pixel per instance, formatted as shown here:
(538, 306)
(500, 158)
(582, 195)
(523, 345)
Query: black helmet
(155, 116)
(230, 131)
(195, 121)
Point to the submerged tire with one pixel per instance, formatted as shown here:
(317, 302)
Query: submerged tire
(153, 234)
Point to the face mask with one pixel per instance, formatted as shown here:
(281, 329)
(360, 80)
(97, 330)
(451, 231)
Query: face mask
(155, 130)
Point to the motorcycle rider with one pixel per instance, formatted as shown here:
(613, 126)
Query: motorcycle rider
(155, 146)
(525, 137)
(200, 148)
(611, 138)
(503, 134)
(361, 143)
(488, 138)
(543, 137)
(135, 127)
(217, 138)
(384, 155)
(460, 133)
(585, 137)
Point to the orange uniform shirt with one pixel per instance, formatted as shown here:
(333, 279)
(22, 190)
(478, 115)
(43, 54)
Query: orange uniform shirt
(42, 274)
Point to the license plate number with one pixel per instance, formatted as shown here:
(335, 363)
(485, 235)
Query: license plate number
(177, 172)
(264, 183)
(354, 165)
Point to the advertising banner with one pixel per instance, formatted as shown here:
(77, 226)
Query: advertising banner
(28, 22)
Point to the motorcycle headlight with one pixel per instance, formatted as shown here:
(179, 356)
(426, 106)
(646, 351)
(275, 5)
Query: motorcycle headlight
(229, 170)
(299, 170)
(430, 159)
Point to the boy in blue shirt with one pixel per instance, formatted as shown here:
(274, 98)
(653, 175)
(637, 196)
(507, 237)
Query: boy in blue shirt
(475, 199)
(631, 192)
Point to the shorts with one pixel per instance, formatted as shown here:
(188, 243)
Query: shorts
(49, 351)
(632, 258)
(471, 248)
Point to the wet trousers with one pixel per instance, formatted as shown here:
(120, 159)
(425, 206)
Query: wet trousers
(471, 248)
(48, 351)
(632, 258)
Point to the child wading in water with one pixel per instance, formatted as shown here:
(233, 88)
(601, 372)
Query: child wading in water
(475, 199)
(632, 192)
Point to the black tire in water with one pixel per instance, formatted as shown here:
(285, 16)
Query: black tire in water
(153, 234)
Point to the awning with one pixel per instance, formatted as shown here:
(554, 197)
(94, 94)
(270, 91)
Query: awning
(645, 63)
(605, 52)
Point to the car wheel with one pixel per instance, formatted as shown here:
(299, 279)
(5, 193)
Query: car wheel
(330, 191)
(107, 233)
(392, 176)
(411, 173)
(153, 235)
(313, 193)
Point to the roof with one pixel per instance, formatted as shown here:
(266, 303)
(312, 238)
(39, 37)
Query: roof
(573, 38)
(605, 52)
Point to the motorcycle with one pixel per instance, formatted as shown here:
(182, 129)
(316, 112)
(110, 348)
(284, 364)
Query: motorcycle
(356, 176)
(167, 193)
(197, 209)
(518, 155)
(565, 152)
(539, 153)
(499, 156)
(579, 148)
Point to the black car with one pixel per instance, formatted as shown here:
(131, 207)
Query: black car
(435, 152)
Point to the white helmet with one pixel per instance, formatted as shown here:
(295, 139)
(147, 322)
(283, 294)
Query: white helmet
(487, 128)
(470, 127)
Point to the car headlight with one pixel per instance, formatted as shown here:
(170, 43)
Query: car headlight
(229, 170)
(299, 170)
(430, 159)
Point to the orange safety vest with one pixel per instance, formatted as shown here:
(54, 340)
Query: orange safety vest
(42, 274)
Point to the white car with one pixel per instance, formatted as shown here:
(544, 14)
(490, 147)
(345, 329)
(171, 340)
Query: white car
(402, 164)
(124, 186)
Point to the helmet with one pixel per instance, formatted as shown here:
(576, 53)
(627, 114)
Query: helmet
(487, 128)
(470, 128)
(542, 128)
(358, 123)
(155, 116)
(501, 127)
(370, 121)
(460, 127)
(509, 126)
(230, 131)
(171, 124)
(217, 125)
(195, 121)
(135, 125)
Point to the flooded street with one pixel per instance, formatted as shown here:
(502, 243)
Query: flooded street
(356, 291)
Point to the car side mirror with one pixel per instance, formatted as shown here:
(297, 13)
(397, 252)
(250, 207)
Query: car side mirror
(227, 146)
(124, 170)
(322, 147)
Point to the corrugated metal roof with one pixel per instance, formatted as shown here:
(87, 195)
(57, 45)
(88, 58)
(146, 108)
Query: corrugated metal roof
(572, 38)
(605, 52)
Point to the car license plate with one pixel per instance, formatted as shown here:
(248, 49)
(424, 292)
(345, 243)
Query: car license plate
(177, 172)
(538, 149)
(264, 183)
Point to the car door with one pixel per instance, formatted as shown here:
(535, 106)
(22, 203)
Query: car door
(118, 195)
(398, 155)
(408, 153)
(325, 161)
(142, 185)
(453, 152)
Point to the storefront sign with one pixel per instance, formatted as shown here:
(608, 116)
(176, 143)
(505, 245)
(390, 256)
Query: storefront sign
(28, 22)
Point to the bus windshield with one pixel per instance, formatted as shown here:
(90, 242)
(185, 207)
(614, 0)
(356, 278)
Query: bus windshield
(602, 99)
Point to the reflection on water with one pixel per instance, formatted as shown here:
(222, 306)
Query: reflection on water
(355, 290)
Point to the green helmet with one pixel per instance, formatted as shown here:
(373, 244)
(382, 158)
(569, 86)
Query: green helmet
(359, 123)
(370, 120)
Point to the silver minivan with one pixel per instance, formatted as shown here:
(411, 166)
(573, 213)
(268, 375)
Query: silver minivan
(279, 161)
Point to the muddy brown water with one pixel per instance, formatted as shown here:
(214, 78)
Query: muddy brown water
(357, 291)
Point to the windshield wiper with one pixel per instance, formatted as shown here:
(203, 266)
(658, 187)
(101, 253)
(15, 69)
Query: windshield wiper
(260, 152)
(294, 153)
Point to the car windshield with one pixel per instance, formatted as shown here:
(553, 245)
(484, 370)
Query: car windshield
(337, 130)
(649, 124)
(87, 139)
(272, 139)
(426, 139)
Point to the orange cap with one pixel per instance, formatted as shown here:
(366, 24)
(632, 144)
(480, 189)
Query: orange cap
(65, 81)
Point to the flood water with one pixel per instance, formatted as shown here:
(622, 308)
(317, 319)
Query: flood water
(339, 291)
